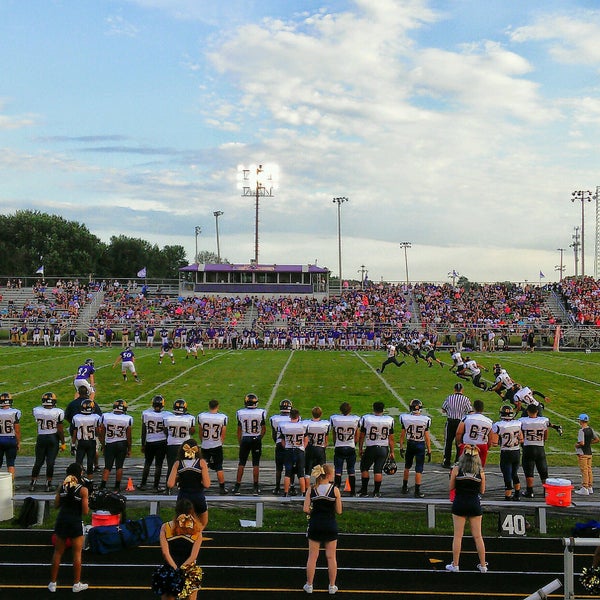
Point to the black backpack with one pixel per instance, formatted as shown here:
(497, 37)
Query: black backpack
(28, 514)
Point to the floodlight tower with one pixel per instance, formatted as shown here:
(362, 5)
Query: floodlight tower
(197, 231)
(217, 214)
(597, 245)
(583, 196)
(339, 201)
(257, 181)
(575, 245)
(405, 245)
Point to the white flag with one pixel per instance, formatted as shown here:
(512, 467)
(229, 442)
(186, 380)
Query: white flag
(142, 272)
(40, 271)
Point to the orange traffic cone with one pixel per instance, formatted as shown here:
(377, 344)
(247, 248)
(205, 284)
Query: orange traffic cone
(347, 486)
(130, 487)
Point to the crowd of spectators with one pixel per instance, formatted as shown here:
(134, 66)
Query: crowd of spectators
(505, 308)
(582, 299)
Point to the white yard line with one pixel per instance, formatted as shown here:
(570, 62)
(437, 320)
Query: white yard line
(399, 398)
(278, 382)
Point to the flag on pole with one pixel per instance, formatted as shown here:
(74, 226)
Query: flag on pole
(541, 275)
(40, 271)
(142, 272)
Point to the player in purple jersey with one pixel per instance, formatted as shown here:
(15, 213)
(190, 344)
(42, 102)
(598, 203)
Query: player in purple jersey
(127, 359)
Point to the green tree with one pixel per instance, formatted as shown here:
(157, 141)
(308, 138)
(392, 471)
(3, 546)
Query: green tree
(32, 238)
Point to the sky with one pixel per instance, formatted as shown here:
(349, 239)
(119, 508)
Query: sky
(460, 126)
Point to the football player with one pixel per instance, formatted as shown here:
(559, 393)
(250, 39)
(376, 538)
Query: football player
(507, 434)
(50, 439)
(212, 426)
(502, 382)
(345, 437)
(535, 434)
(377, 434)
(250, 432)
(166, 347)
(127, 359)
(154, 441)
(10, 432)
(115, 441)
(84, 429)
(284, 415)
(415, 431)
(85, 377)
(318, 433)
(180, 426)
(294, 439)
(391, 358)
(475, 430)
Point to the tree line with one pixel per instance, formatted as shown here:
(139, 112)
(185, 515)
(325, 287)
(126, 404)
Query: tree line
(31, 239)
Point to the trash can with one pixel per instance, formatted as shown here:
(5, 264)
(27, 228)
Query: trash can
(6, 497)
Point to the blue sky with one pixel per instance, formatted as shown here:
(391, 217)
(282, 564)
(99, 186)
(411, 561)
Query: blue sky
(459, 125)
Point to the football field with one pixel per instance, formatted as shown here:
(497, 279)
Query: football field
(308, 378)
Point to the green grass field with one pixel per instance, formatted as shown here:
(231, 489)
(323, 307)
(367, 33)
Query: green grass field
(571, 380)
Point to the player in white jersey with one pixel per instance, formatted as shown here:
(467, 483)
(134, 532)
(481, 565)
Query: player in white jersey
(502, 382)
(50, 438)
(180, 426)
(284, 415)
(535, 434)
(251, 428)
(474, 430)
(294, 439)
(471, 369)
(415, 431)
(115, 440)
(457, 361)
(212, 426)
(507, 434)
(154, 441)
(345, 437)
(318, 433)
(375, 442)
(10, 432)
(84, 430)
(391, 359)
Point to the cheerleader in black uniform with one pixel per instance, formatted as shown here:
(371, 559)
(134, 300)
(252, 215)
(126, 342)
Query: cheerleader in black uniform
(190, 471)
(322, 503)
(180, 541)
(72, 501)
(467, 480)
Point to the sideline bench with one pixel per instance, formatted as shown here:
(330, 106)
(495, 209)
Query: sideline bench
(431, 505)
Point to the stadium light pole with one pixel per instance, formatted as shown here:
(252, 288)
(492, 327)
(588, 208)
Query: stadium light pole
(339, 201)
(217, 214)
(561, 268)
(406, 245)
(257, 181)
(198, 231)
(575, 245)
(582, 196)
(362, 272)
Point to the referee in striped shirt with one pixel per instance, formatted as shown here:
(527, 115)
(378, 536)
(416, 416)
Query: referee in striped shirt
(455, 407)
